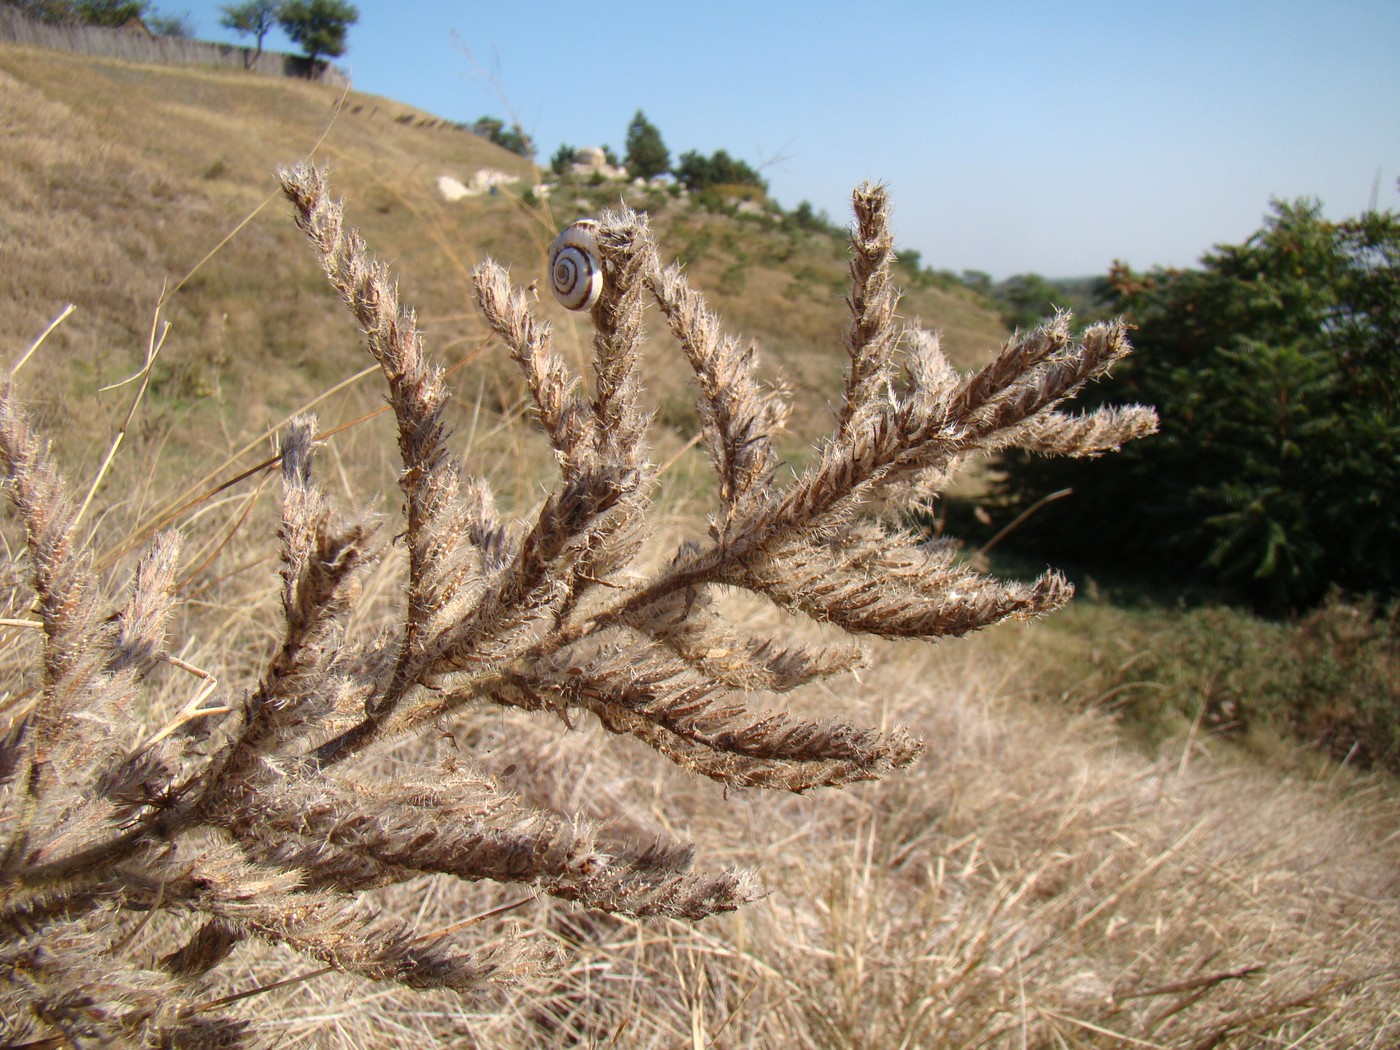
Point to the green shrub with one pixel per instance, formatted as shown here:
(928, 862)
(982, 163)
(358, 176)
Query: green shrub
(562, 162)
(695, 172)
(1277, 471)
(512, 138)
(1329, 680)
(805, 218)
(1349, 657)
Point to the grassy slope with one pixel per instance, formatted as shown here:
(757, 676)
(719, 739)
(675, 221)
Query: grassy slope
(120, 178)
(117, 179)
(1032, 883)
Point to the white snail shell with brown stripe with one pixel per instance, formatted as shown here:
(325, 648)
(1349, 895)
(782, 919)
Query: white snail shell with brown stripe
(575, 268)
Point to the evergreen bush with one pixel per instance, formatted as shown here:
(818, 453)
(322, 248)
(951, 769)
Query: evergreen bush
(647, 155)
(1277, 472)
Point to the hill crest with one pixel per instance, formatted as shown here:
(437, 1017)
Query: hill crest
(125, 177)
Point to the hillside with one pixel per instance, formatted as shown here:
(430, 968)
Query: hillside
(117, 179)
(1036, 880)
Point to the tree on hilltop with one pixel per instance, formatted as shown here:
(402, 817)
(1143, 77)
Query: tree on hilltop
(319, 26)
(647, 155)
(696, 172)
(253, 18)
(561, 163)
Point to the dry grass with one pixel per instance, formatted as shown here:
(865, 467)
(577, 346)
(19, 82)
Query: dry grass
(1031, 883)
(121, 177)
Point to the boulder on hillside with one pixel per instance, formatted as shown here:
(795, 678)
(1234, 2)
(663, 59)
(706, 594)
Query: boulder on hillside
(452, 189)
(591, 160)
(485, 180)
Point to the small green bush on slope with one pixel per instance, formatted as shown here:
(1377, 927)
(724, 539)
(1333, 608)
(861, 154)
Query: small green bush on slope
(1329, 680)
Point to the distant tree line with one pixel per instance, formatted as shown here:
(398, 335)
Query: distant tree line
(110, 13)
(647, 157)
(1024, 300)
(507, 136)
(318, 26)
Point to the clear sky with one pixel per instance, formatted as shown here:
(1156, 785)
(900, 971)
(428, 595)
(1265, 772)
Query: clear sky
(1015, 137)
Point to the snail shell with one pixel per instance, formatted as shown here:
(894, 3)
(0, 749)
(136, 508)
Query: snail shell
(575, 268)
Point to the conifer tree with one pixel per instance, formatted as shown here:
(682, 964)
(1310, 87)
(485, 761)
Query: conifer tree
(647, 155)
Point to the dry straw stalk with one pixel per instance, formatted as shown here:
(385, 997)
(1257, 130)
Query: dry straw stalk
(254, 817)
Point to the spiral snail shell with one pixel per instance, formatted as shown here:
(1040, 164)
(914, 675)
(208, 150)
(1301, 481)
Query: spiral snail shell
(575, 268)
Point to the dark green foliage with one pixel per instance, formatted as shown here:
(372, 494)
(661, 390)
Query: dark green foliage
(805, 217)
(1277, 470)
(562, 161)
(977, 280)
(512, 138)
(647, 155)
(110, 12)
(698, 172)
(1026, 299)
(319, 26)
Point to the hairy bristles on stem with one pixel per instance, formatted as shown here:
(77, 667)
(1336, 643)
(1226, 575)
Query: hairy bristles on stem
(872, 338)
(250, 816)
(738, 418)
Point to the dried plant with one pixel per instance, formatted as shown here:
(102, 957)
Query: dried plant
(246, 819)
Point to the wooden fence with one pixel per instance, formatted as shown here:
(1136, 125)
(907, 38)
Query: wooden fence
(137, 44)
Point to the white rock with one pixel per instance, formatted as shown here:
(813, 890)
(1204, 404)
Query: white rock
(452, 189)
(487, 179)
(590, 160)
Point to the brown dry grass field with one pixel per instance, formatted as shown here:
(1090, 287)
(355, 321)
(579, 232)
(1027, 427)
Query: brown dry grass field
(1037, 880)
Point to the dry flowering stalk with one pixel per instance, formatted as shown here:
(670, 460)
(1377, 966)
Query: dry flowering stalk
(249, 822)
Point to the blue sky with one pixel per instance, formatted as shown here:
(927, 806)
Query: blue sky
(1014, 137)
